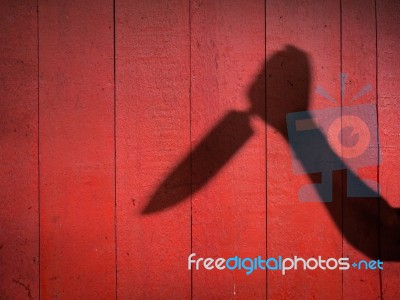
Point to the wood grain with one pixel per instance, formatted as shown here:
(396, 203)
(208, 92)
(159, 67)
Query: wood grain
(153, 134)
(304, 229)
(77, 249)
(229, 218)
(388, 49)
(134, 133)
(359, 63)
(19, 219)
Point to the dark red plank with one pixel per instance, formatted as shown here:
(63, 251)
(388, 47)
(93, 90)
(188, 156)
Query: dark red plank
(76, 150)
(19, 233)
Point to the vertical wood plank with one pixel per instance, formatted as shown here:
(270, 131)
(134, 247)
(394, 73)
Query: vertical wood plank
(361, 237)
(76, 150)
(19, 233)
(389, 128)
(153, 134)
(228, 163)
(303, 229)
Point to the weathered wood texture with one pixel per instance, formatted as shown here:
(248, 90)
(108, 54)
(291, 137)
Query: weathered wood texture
(134, 133)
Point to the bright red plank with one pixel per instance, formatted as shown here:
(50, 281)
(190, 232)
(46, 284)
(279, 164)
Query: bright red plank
(228, 162)
(389, 128)
(303, 229)
(153, 135)
(19, 233)
(77, 250)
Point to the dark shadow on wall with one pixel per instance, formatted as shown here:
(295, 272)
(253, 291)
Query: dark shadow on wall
(368, 224)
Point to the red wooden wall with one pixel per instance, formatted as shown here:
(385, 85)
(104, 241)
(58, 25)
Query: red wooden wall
(101, 100)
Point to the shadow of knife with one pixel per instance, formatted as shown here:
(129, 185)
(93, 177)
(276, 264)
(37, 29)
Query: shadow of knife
(202, 163)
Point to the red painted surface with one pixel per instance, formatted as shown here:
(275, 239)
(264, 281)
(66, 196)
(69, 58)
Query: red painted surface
(137, 132)
(299, 228)
(76, 151)
(153, 133)
(389, 109)
(228, 214)
(359, 39)
(19, 231)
